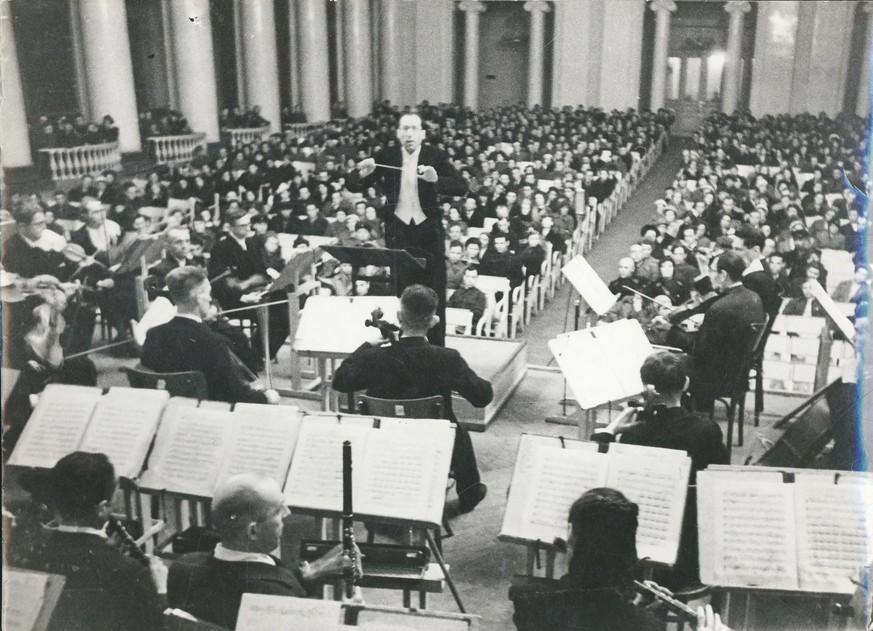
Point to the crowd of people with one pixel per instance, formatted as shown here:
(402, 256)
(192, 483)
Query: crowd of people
(725, 245)
(162, 121)
(71, 130)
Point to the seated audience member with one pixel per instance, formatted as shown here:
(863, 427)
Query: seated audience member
(186, 343)
(597, 593)
(470, 297)
(455, 266)
(499, 261)
(776, 269)
(725, 334)
(664, 423)
(795, 287)
(413, 368)
(248, 513)
(532, 255)
(683, 270)
(804, 305)
(627, 280)
(856, 290)
(646, 265)
(471, 251)
(314, 224)
(676, 289)
(104, 589)
(553, 234)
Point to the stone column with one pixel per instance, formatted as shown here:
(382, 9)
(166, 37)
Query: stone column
(537, 10)
(294, 61)
(391, 64)
(15, 143)
(339, 43)
(862, 106)
(736, 10)
(260, 63)
(662, 9)
(314, 88)
(359, 80)
(190, 34)
(471, 9)
(109, 71)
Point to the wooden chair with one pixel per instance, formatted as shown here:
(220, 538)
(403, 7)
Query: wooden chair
(516, 315)
(191, 384)
(734, 394)
(459, 319)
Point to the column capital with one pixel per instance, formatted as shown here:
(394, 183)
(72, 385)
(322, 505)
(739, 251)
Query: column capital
(738, 7)
(537, 5)
(472, 6)
(662, 5)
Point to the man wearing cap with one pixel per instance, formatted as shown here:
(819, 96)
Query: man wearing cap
(411, 175)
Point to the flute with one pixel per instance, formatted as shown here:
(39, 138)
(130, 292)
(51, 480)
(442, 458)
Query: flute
(114, 527)
(348, 521)
(650, 588)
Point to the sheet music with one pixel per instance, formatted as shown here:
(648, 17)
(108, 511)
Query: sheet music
(833, 535)
(404, 474)
(23, 598)
(750, 531)
(559, 477)
(344, 317)
(656, 480)
(189, 450)
(625, 347)
(260, 612)
(520, 488)
(581, 359)
(315, 480)
(123, 425)
(261, 445)
(589, 285)
(56, 426)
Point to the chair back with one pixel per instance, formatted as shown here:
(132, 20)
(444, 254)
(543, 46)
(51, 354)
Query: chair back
(191, 384)
(426, 407)
(459, 319)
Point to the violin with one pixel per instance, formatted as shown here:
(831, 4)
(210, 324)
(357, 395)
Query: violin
(43, 339)
(388, 330)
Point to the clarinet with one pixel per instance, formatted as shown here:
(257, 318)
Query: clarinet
(348, 521)
(114, 527)
(685, 612)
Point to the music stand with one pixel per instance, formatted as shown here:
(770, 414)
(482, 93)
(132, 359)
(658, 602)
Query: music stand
(400, 262)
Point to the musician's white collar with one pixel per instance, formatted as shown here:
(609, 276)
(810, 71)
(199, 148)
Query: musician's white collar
(81, 530)
(236, 556)
(190, 316)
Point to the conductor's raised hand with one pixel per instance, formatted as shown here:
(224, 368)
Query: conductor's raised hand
(427, 173)
(366, 166)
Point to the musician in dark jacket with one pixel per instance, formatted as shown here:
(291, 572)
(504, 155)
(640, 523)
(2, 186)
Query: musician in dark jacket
(186, 343)
(412, 368)
(104, 589)
(237, 270)
(664, 423)
(597, 592)
(725, 335)
(248, 513)
(411, 176)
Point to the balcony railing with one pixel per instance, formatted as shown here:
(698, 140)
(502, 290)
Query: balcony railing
(301, 129)
(69, 163)
(175, 149)
(244, 136)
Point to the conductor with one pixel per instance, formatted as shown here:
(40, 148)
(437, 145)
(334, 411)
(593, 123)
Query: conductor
(410, 176)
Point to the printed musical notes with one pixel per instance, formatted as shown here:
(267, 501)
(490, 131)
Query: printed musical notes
(549, 477)
(56, 426)
(760, 530)
(260, 612)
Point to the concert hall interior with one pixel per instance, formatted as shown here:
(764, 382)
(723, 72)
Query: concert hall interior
(323, 312)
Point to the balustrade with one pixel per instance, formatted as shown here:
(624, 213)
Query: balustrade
(175, 149)
(69, 163)
(244, 136)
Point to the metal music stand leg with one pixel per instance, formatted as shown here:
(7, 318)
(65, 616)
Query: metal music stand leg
(264, 325)
(449, 580)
